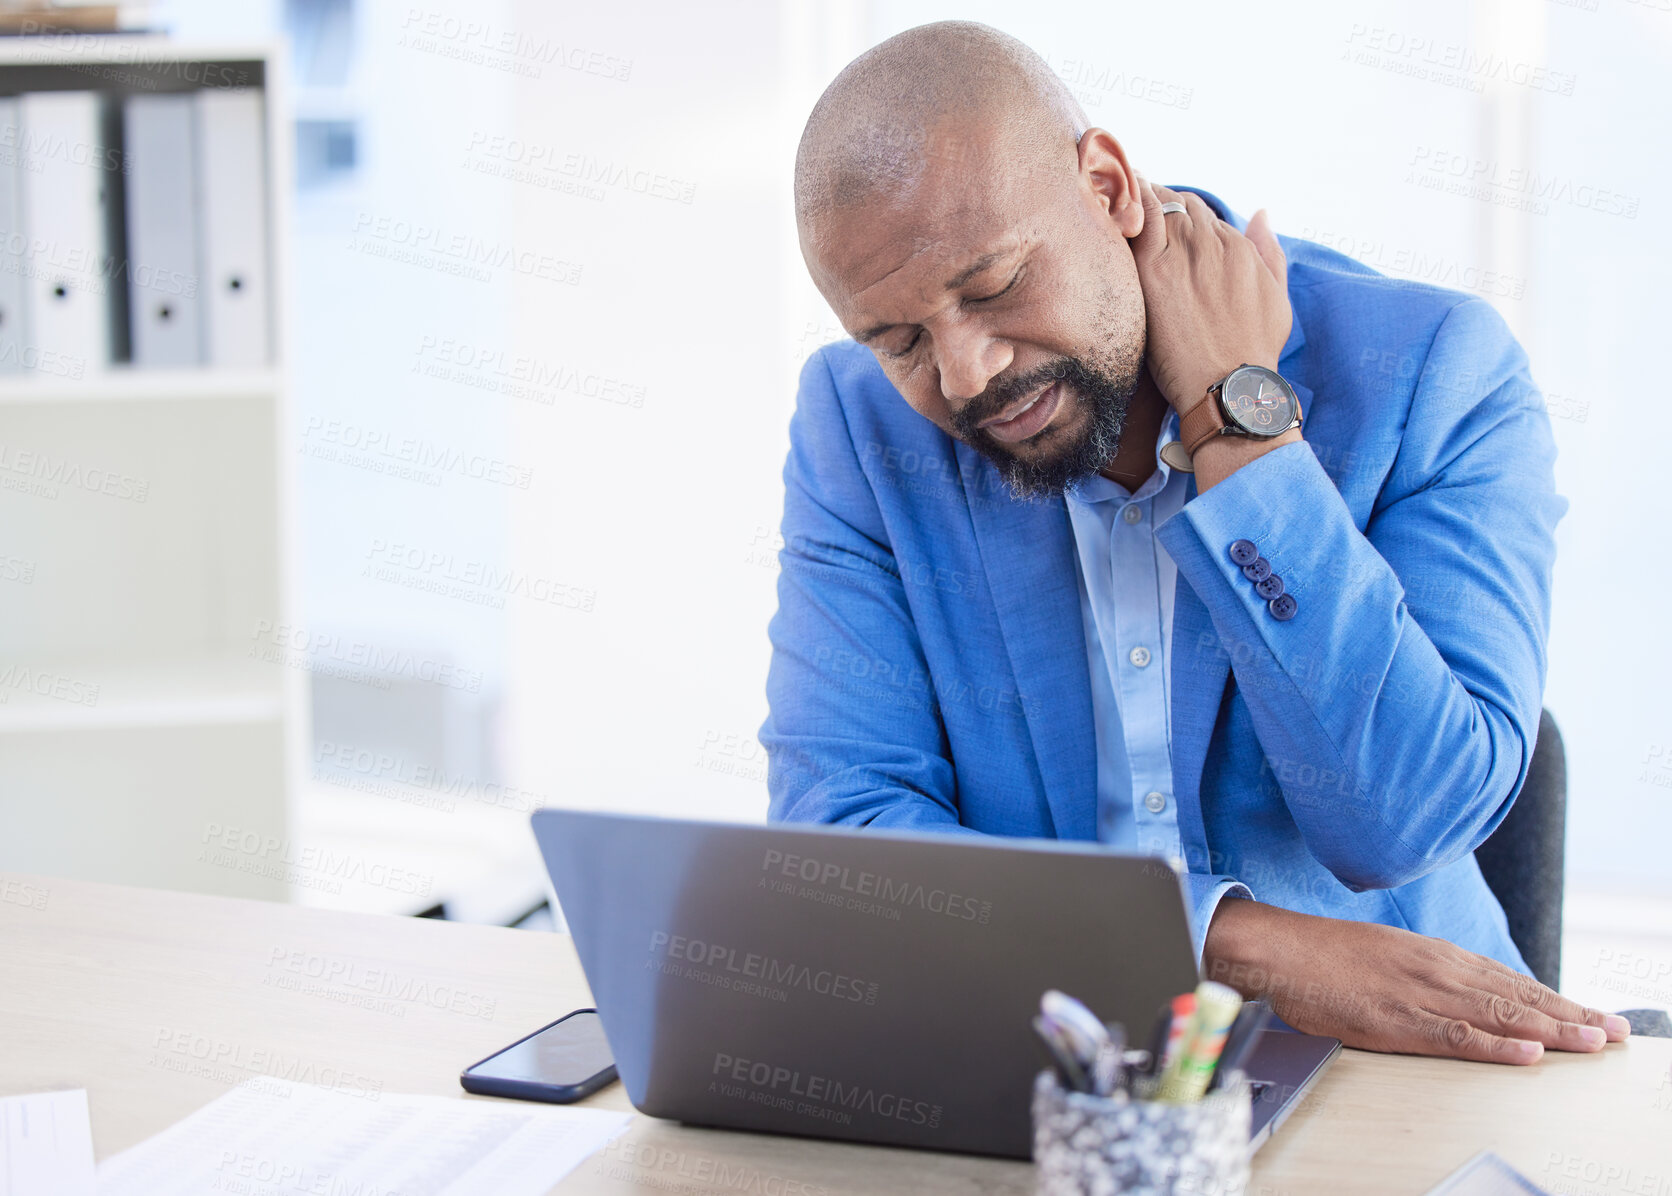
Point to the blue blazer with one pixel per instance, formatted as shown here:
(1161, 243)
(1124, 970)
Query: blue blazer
(929, 666)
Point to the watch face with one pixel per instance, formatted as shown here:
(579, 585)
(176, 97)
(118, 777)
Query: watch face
(1259, 401)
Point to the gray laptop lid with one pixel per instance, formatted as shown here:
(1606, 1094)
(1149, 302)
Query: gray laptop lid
(868, 985)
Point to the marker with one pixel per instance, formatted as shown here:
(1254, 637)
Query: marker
(1183, 1009)
(1188, 1072)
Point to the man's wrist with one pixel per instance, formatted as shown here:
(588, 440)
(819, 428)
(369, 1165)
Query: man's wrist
(1221, 456)
(1235, 950)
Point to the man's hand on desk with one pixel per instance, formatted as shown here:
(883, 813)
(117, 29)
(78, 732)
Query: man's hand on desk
(1386, 989)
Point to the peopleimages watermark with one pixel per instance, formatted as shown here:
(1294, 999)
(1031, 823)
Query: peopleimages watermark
(1453, 64)
(732, 755)
(1092, 83)
(399, 455)
(46, 683)
(311, 866)
(750, 971)
(456, 253)
(350, 981)
(220, 1059)
(332, 655)
(419, 568)
(1420, 265)
(1657, 766)
(1633, 975)
(554, 169)
(813, 1095)
(1516, 187)
(867, 892)
(50, 42)
(519, 376)
(41, 474)
(368, 770)
(21, 892)
(481, 43)
(648, 1165)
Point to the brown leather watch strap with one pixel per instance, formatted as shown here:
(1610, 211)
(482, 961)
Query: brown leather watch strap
(1201, 423)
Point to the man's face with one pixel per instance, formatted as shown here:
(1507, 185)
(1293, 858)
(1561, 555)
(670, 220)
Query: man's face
(1002, 302)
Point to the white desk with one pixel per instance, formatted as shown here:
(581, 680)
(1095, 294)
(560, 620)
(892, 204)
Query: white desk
(157, 1002)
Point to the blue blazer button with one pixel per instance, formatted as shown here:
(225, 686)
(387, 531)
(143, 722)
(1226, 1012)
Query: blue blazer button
(1283, 607)
(1243, 552)
(1257, 570)
(1269, 587)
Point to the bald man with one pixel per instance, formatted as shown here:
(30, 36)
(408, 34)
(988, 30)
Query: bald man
(1120, 519)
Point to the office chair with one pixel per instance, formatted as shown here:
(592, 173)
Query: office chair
(1522, 863)
(1522, 859)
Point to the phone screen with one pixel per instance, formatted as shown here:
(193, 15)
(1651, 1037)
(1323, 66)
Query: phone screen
(569, 1052)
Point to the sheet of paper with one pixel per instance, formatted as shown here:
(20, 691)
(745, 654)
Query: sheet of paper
(46, 1144)
(270, 1137)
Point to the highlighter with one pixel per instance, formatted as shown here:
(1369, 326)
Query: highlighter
(1189, 1071)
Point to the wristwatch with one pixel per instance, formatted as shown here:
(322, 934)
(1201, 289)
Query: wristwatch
(1249, 401)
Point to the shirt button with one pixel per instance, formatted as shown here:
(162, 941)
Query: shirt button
(1139, 656)
(1155, 803)
(1132, 514)
(1269, 588)
(1283, 607)
(1257, 570)
(1243, 552)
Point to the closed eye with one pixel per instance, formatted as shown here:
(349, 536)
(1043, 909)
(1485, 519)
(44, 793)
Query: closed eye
(1008, 287)
(1014, 279)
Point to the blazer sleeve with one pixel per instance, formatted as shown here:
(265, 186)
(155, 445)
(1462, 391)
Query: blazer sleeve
(854, 735)
(1398, 707)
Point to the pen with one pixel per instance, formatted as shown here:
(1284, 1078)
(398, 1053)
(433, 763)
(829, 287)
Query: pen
(1146, 1072)
(1240, 1042)
(1107, 1068)
(1068, 1068)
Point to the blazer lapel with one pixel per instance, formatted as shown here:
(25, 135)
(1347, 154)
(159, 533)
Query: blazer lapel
(1027, 552)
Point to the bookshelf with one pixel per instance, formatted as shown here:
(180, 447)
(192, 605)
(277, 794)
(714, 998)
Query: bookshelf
(146, 540)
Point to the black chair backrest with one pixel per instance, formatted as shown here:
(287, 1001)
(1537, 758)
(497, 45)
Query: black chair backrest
(1522, 859)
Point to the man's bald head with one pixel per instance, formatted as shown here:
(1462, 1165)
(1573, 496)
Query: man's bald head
(952, 88)
(967, 227)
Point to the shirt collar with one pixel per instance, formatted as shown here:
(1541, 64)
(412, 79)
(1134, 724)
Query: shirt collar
(1097, 488)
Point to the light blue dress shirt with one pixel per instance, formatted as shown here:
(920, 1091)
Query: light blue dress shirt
(1127, 585)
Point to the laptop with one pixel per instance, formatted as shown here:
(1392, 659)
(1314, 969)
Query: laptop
(874, 986)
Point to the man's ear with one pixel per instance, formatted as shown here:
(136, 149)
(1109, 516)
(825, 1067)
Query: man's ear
(1105, 170)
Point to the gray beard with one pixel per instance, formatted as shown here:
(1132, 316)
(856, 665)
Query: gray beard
(1107, 397)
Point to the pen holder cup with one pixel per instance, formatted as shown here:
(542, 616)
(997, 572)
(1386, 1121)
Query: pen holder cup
(1096, 1144)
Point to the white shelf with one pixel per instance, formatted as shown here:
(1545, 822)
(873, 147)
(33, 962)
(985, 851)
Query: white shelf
(180, 692)
(133, 50)
(127, 385)
(152, 601)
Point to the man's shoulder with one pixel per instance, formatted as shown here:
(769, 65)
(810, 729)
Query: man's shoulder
(1382, 330)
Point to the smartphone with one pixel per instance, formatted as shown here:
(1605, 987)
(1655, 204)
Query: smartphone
(560, 1063)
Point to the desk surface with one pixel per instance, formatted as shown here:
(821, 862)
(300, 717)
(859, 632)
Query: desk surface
(156, 1002)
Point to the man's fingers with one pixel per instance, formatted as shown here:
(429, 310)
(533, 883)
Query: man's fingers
(1265, 241)
(1500, 978)
(1457, 1039)
(1511, 1018)
(1152, 238)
